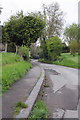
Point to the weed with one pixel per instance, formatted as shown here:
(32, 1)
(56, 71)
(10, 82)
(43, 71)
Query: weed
(46, 85)
(19, 106)
(40, 110)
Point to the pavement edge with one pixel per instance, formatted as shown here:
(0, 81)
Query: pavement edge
(24, 113)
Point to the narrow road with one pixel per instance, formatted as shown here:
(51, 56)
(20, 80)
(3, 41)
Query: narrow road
(63, 101)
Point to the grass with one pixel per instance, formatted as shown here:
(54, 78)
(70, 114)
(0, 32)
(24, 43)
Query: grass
(12, 69)
(8, 58)
(66, 59)
(20, 105)
(39, 111)
(69, 60)
(0, 73)
(13, 72)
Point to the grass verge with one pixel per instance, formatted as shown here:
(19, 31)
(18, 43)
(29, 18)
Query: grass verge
(66, 59)
(69, 60)
(13, 72)
(12, 68)
(39, 111)
(8, 58)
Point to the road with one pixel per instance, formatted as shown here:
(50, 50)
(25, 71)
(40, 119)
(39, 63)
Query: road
(66, 95)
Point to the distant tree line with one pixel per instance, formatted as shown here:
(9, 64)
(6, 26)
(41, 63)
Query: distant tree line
(46, 26)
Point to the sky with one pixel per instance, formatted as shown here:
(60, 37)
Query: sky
(10, 7)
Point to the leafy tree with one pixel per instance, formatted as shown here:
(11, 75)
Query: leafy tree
(23, 51)
(73, 46)
(14, 27)
(33, 29)
(71, 33)
(54, 47)
(53, 17)
(5, 36)
(65, 48)
(79, 39)
(24, 30)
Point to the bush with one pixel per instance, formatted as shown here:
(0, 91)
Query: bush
(54, 47)
(24, 52)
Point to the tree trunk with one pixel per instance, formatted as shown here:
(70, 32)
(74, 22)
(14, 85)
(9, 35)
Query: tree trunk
(16, 49)
(6, 47)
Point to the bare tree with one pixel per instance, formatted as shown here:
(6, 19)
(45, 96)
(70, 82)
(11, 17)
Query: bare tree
(54, 19)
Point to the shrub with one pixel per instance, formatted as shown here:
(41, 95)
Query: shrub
(24, 52)
(54, 47)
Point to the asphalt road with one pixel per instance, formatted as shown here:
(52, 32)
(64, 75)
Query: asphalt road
(66, 88)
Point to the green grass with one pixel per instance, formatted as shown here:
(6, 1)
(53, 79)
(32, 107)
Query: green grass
(39, 111)
(66, 59)
(69, 60)
(12, 70)
(19, 106)
(8, 58)
(0, 73)
(0, 58)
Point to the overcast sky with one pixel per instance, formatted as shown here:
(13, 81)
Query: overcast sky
(69, 7)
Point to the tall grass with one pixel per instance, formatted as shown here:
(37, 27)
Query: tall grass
(69, 60)
(12, 69)
(13, 72)
(40, 111)
(8, 58)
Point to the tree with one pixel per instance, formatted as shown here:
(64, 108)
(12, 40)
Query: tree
(23, 51)
(71, 33)
(14, 27)
(65, 48)
(5, 36)
(33, 29)
(54, 19)
(73, 46)
(71, 37)
(54, 47)
(54, 22)
(24, 30)
(79, 39)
